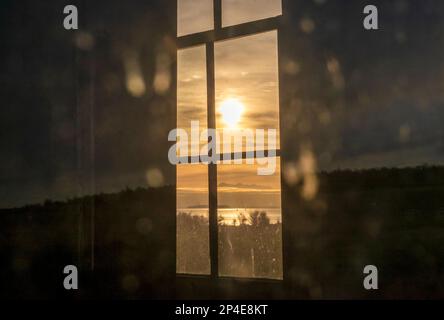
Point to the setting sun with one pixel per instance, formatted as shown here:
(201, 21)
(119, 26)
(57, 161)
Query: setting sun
(231, 110)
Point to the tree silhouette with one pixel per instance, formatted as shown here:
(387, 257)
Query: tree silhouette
(391, 217)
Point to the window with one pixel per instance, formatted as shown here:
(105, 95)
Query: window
(194, 16)
(229, 220)
(192, 220)
(241, 11)
(192, 90)
(249, 213)
(246, 70)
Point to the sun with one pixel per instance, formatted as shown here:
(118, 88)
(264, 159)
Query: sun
(231, 110)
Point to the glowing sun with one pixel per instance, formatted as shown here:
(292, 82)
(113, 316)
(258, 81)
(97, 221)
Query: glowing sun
(231, 110)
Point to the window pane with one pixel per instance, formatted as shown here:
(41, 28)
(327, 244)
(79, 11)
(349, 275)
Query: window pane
(247, 86)
(192, 93)
(250, 229)
(193, 253)
(241, 11)
(194, 16)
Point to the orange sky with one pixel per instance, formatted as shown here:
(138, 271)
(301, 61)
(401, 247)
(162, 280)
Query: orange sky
(246, 71)
(239, 186)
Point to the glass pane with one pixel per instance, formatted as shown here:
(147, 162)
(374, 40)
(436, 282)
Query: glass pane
(247, 88)
(241, 11)
(193, 252)
(192, 94)
(249, 214)
(194, 16)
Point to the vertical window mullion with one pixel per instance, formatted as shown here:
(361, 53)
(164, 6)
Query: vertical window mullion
(212, 168)
(217, 15)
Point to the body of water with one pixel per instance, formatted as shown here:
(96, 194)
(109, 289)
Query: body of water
(230, 214)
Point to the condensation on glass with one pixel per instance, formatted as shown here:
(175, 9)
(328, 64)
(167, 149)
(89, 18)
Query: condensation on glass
(192, 238)
(250, 221)
(242, 11)
(247, 73)
(194, 16)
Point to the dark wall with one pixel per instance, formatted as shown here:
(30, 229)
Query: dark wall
(70, 126)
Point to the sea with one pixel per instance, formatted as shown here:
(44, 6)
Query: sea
(230, 214)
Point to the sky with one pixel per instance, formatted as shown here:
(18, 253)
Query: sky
(90, 111)
(246, 71)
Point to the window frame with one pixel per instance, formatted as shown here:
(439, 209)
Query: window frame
(209, 38)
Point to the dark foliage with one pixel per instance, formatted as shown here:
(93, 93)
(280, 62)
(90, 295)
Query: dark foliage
(392, 218)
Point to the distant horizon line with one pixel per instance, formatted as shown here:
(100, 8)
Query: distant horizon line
(136, 188)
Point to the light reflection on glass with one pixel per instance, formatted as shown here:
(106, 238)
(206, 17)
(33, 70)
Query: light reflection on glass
(249, 215)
